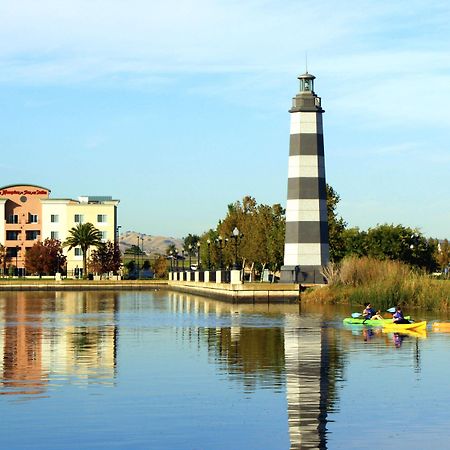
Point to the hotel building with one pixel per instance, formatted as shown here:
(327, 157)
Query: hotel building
(28, 215)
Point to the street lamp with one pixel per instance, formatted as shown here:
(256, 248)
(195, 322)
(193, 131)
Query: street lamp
(17, 266)
(221, 245)
(209, 254)
(118, 233)
(235, 234)
(171, 260)
(198, 255)
(190, 256)
(137, 255)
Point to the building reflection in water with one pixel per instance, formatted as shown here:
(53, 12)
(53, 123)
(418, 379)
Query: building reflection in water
(45, 335)
(297, 351)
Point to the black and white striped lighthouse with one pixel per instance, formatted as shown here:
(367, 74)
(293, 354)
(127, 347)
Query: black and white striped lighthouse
(306, 247)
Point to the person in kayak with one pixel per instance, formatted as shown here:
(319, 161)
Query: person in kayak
(398, 317)
(368, 312)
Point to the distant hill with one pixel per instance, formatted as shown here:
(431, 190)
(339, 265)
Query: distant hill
(152, 244)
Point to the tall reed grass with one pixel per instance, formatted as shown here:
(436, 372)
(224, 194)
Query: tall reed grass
(382, 283)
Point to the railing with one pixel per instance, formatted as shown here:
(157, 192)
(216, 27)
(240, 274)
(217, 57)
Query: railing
(209, 276)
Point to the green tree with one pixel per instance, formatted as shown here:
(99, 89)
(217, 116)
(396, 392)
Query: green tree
(442, 253)
(84, 235)
(261, 236)
(336, 226)
(106, 258)
(171, 248)
(354, 242)
(131, 268)
(401, 243)
(190, 244)
(134, 250)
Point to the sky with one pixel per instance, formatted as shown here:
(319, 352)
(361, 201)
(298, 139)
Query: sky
(179, 108)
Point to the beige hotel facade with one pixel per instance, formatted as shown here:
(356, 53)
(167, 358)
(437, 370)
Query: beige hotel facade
(29, 215)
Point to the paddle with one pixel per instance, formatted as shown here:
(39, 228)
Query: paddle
(356, 315)
(393, 309)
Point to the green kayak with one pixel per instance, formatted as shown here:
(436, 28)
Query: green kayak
(373, 322)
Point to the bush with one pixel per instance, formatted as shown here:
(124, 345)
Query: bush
(383, 283)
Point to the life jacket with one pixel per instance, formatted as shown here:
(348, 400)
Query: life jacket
(368, 313)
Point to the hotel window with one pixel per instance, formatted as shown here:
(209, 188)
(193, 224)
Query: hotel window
(77, 251)
(32, 235)
(12, 235)
(54, 218)
(32, 218)
(79, 218)
(12, 218)
(102, 218)
(12, 252)
(54, 235)
(104, 235)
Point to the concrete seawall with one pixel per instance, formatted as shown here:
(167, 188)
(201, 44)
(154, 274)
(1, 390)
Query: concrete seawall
(241, 293)
(237, 293)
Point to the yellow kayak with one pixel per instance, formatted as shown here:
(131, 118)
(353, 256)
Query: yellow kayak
(416, 326)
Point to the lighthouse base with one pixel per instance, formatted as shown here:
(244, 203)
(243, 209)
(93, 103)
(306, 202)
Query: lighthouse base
(302, 274)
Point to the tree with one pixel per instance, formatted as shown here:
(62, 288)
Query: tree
(442, 253)
(3, 258)
(171, 249)
(160, 267)
(261, 236)
(131, 269)
(354, 242)
(395, 242)
(84, 235)
(45, 257)
(134, 250)
(106, 258)
(190, 243)
(336, 226)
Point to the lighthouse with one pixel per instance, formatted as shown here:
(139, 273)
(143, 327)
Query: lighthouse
(306, 248)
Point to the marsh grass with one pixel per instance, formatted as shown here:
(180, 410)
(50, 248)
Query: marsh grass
(383, 283)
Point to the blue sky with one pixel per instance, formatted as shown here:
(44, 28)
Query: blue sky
(179, 108)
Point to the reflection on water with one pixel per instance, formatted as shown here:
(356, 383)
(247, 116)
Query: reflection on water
(43, 335)
(169, 370)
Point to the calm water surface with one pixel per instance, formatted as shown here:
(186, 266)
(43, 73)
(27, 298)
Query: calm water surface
(164, 370)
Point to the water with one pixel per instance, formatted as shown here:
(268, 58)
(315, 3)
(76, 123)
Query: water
(164, 370)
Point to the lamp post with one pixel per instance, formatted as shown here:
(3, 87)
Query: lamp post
(118, 233)
(198, 255)
(137, 256)
(176, 257)
(17, 266)
(171, 260)
(236, 236)
(209, 254)
(190, 256)
(221, 245)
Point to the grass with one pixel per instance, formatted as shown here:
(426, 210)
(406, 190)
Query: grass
(382, 283)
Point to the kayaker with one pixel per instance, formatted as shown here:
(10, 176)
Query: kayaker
(398, 317)
(368, 312)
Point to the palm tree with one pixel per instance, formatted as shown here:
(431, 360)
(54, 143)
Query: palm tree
(84, 235)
